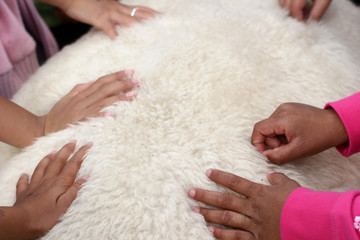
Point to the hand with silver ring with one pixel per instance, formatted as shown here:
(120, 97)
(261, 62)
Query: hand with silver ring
(105, 14)
(255, 216)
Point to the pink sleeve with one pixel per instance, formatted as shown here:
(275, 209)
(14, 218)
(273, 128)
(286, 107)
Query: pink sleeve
(321, 215)
(348, 110)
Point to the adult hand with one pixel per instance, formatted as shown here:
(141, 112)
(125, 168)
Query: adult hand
(51, 191)
(299, 9)
(105, 14)
(86, 100)
(296, 130)
(255, 216)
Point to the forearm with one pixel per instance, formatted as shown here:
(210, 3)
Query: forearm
(13, 224)
(18, 127)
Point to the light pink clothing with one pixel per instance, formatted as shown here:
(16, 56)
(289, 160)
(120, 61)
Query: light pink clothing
(17, 48)
(309, 215)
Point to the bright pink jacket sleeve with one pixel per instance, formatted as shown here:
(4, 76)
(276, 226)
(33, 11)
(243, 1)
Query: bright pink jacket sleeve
(327, 215)
(309, 215)
(348, 110)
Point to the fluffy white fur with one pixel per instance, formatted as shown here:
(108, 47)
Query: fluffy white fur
(210, 69)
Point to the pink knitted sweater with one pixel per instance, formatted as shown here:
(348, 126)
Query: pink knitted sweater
(314, 215)
(17, 48)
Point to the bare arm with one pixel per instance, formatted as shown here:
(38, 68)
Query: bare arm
(18, 127)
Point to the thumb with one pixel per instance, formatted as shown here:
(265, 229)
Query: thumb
(22, 184)
(277, 178)
(284, 153)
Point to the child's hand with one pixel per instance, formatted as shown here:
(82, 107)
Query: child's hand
(298, 8)
(257, 216)
(86, 100)
(52, 189)
(105, 14)
(296, 130)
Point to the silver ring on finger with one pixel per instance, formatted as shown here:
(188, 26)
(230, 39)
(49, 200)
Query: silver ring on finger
(133, 12)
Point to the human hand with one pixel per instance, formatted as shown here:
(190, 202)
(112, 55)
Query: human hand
(299, 9)
(105, 14)
(86, 100)
(297, 130)
(254, 217)
(52, 189)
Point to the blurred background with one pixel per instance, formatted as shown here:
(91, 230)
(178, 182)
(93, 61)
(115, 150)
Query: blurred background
(66, 30)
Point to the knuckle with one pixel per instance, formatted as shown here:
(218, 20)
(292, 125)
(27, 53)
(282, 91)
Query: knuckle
(223, 199)
(74, 163)
(226, 217)
(237, 235)
(233, 181)
(103, 80)
(257, 191)
(77, 185)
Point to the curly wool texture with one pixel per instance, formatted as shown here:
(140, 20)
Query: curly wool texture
(209, 69)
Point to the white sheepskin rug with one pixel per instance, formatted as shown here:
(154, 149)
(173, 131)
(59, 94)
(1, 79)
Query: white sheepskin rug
(209, 70)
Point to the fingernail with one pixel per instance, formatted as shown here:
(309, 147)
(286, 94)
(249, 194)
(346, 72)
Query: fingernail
(208, 172)
(53, 152)
(85, 177)
(192, 193)
(211, 229)
(131, 94)
(24, 175)
(73, 141)
(129, 73)
(108, 114)
(271, 172)
(89, 144)
(196, 209)
(136, 81)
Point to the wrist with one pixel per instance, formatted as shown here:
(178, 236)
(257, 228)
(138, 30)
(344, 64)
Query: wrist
(40, 126)
(337, 130)
(15, 224)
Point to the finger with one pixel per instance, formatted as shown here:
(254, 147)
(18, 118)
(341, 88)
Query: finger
(282, 3)
(272, 142)
(22, 184)
(66, 199)
(71, 169)
(267, 128)
(79, 88)
(41, 168)
(124, 18)
(59, 160)
(288, 4)
(103, 97)
(144, 13)
(297, 9)
(319, 8)
(233, 182)
(93, 112)
(284, 153)
(221, 200)
(277, 178)
(230, 234)
(107, 27)
(225, 218)
(110, 100)
(103, 81)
